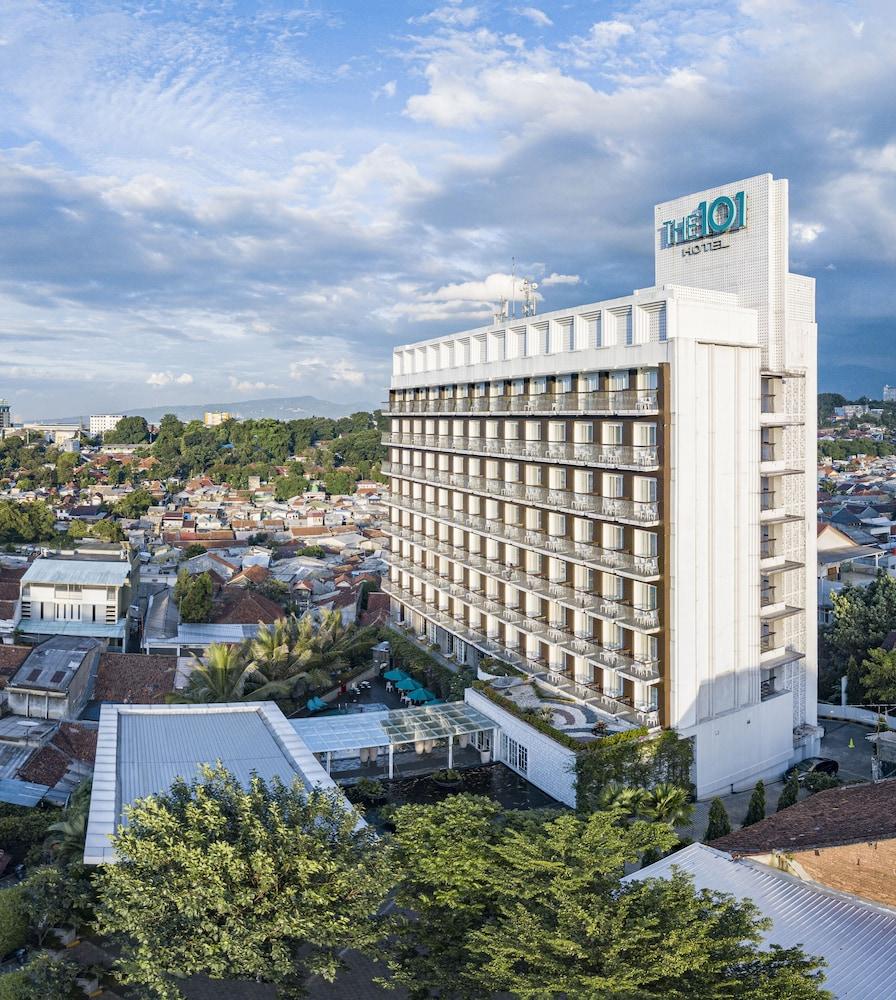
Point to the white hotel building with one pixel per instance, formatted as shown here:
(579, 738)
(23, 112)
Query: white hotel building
(619, 497)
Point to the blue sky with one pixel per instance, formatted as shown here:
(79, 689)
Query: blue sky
(208, 200)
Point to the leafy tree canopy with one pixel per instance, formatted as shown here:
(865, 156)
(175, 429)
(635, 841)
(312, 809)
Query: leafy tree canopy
(128, 430)
(267, 884)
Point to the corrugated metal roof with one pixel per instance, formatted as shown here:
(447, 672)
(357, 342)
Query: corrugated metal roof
(141, 749)
(154, 749)
(201, 634)
(857, 939)
(84, 571)
(53, 626)
(21, 793)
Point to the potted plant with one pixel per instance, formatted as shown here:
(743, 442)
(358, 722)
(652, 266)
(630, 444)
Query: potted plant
(447, 778)
(367, 790)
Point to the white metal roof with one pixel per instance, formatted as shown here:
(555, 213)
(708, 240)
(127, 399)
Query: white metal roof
(141, 749)
(858, 939)
(83, 571)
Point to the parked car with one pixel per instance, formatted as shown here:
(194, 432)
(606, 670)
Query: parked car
(814, 765)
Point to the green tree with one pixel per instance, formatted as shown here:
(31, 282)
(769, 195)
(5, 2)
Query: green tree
(193, 549)
(286, 487)
(862, 618)
(719, 825)
(667, 803)
(789, 794)
(78, 529)
(534, 907)
(193, 595)
(278, 881)
(128, 430)
(13, 920)
(878, 676)
(65, 466)
(133, 504)
(55, 897)
(107, 530)
(49, 978)
(756, 807)
(339, 483)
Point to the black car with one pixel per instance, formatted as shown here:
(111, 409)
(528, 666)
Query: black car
(814, 765)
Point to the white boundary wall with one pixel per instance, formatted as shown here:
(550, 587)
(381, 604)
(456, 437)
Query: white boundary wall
(551, 766)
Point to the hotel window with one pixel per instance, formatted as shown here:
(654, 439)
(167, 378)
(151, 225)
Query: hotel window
(645, 647)
(556, 477)
(648, 378)
(457, 466)
(533, 562)
(511, 472)
(533, 430)
(617, 381)
(533, 475)
(644, 489)
(443, 462)
(511, 430)
(463, 391)
(582, 530)
(556, 430)
(556, 524)
(583, 432)
(511, 514)
(514, 754)
(491, 429)
(496, 388)
(645, 543)
(517, 387)
(539, 385)
(591, 382)
(583, 578)
(492, 510)
(645, 435)
(645, 596)
(583, 481)
(457, 428)
(473, 428)
(492, 470)
(497, 347)
(611, 635)
(444, 426)
(613, 485)
(557, 570)
(611, 434)
(533, 519)
(612, 587)
(563, 384)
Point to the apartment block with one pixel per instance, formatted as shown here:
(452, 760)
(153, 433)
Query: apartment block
(617, 498)
(99, 423)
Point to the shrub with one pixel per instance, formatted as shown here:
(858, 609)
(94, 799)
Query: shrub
(719, 825)
(366, 790)
(821, 782)
(434, 675)
(756, 808)
(22, 831)
(789, 794)
(13, 920)
(447, 774)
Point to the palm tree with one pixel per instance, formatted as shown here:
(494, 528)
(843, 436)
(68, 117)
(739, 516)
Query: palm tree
(291, 656)
(221, 678)
(65, 838)
(667, 803)
(624, 799)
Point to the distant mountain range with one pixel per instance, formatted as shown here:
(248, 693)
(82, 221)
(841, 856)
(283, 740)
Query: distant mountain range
(283, 408)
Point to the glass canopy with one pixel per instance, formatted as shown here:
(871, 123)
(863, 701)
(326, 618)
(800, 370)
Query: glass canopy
(353, 731)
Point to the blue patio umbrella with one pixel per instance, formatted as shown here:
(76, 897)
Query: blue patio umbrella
(395, 675)
(421, 695)
(408, 684)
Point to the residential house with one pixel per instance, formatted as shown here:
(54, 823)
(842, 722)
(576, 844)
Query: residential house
(54, 680)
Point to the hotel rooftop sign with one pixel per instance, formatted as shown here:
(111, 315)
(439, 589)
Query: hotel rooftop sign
(709, 219)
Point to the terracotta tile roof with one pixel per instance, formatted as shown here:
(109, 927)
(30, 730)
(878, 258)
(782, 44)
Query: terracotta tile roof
(377, 611)
(246, 607)
(848, 815)
(11, 658)
(135, 679)
(48, 765)
(254, 574)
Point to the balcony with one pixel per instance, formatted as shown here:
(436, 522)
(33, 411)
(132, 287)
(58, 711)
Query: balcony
(607, 560)
(622, 613)
(610, 456)
(640, 512)
(621, 401)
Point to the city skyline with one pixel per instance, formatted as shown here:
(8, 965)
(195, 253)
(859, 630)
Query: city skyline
(258, 201)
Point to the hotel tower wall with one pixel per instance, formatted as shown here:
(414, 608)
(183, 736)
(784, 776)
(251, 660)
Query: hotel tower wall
(618, 497)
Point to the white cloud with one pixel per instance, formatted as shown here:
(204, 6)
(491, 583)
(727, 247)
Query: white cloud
(806, 232)
(388, 89)
(561, 279)
(452, 14)
(339, 371)
(247, 385)
(158, 379)
(535, 15)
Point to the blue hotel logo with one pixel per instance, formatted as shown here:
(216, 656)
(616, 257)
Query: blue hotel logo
(721, 215)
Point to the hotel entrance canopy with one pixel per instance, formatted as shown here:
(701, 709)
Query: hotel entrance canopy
(355, 731)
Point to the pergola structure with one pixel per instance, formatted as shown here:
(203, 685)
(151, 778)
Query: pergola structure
(340, 734)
